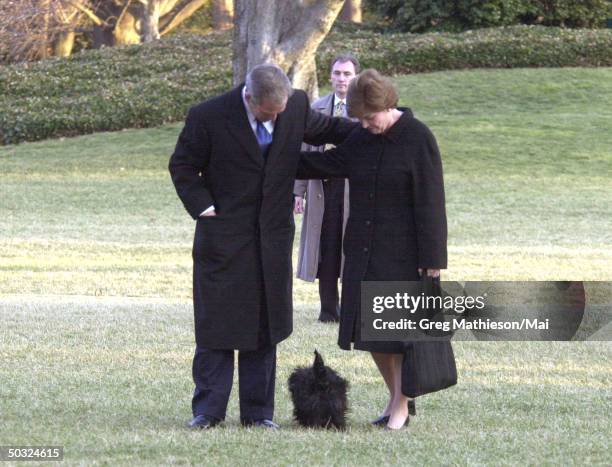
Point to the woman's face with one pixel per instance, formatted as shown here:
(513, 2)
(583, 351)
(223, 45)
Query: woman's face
(376, 122)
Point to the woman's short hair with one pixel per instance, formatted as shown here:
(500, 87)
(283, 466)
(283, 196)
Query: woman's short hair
(370, 92)
(268, 82)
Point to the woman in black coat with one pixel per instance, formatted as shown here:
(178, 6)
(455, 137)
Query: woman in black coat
(397, 224)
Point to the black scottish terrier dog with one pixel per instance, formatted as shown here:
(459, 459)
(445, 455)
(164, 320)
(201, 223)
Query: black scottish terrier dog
(319, 396)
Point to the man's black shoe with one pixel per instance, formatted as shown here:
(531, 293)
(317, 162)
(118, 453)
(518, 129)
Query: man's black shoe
(263, 423)
(203, 422)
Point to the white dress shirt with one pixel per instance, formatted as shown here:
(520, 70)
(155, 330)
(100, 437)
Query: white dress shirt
(252, 120)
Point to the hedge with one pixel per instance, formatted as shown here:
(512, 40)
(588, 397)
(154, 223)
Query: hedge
(152, 84)
(507, 47)
(459, 15)
(111, 89)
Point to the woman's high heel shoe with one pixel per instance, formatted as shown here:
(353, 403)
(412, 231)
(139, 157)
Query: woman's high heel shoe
(411, 407)
(381, 421)
(404, 425)
(384, 419)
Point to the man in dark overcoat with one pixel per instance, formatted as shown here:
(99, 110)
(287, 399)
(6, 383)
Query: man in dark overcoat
(233, 168)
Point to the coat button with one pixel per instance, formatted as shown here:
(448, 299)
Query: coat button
(368, 223)
(366, 249)
(371, 195)
(319, 196)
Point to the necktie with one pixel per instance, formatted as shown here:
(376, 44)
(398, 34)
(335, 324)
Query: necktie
(264, 138)
(339, 109)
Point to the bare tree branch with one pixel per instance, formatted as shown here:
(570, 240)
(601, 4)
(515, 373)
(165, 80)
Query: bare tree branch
(88, 12)
(172, 20)
(33, 29)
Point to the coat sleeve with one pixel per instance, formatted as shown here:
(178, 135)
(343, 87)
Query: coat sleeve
(429, 203)
(189, 163)
(323, 129)
(319, 165)
(299, 188)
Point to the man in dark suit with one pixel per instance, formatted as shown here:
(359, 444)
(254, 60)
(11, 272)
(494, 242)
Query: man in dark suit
(233, 168)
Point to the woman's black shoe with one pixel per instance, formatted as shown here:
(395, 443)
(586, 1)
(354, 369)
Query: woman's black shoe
(384, 419)
(381, 421)
(406, 422)
(411, 407)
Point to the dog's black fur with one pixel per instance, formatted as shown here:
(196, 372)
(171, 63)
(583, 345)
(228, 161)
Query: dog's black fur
(319, 396)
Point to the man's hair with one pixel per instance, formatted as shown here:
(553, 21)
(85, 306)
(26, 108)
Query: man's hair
(343, 58)
(267, 82)
(370, 92)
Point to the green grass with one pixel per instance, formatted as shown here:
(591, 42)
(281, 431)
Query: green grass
(95, 280)
(109, 380)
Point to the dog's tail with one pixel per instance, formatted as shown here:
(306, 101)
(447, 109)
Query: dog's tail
(319, 367)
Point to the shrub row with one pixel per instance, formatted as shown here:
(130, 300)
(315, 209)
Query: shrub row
(153, 84)
(111, 88)
(508, 47)
(459, 15)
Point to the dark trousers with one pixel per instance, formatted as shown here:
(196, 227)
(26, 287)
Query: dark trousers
(330, 257)
(329, 296)
(213, 373)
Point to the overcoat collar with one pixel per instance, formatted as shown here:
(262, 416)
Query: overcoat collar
(238, 124)
(398, 129)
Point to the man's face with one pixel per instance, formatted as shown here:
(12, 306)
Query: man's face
(341, 75)
(265, 111)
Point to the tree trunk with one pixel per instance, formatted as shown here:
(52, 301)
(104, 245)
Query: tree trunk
(223, 14)
(149, 21)
(351, 11)
(45, 11)
(64, 43)
(133, 22)
(102, 36)
(126, 30)
(304, 77)
(285, 33)
(118, 26)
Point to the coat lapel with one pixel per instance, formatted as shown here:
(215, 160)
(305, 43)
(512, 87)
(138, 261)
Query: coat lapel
(239, 126)
(279, 137)
(326, 104)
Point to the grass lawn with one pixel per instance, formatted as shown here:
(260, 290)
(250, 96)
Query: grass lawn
(96, 332)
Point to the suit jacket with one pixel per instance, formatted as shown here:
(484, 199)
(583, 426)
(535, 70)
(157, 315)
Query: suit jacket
(310, 237)
(242, 256)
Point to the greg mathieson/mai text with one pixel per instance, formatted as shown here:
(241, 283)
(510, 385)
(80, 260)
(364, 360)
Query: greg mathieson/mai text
(460, 324)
